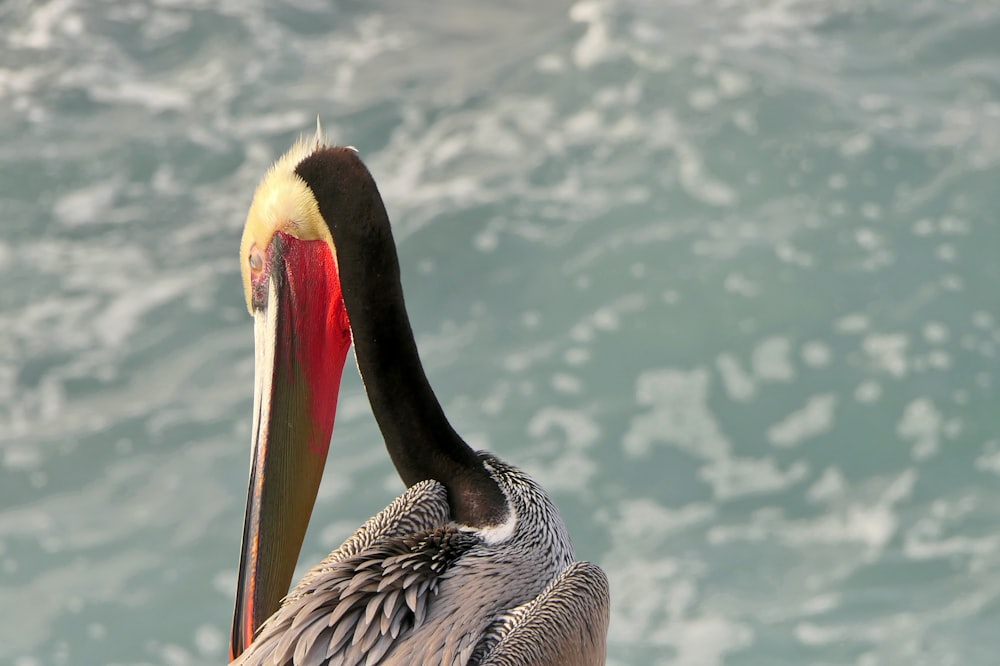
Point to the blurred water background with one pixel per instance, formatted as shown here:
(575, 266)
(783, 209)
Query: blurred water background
(722, 274)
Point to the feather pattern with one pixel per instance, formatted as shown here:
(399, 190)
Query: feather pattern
(565, 625)
(284, 639)
(413, 587)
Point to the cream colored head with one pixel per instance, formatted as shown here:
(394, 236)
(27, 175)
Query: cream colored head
(283, 202)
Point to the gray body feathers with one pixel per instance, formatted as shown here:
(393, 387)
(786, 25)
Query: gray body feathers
(565, 625)
(412, 587)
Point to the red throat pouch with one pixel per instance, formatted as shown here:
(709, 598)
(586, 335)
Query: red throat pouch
(319, 327)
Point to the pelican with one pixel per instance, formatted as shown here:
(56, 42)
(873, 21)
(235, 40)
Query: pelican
(472, 564)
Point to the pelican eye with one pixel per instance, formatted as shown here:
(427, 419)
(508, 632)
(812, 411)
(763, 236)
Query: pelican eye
(256, 260)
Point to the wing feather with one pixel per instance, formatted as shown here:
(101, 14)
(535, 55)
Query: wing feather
(565, 625)
(344, 611)
(335, 609)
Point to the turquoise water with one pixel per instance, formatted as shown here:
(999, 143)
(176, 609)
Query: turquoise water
(723, 275)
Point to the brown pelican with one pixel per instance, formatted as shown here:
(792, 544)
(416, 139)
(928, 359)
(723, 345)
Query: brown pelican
(472, 564)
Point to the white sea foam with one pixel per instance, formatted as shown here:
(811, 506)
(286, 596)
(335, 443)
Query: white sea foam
(677, 414)
(737, 382)
(771, 360)
(814, 418)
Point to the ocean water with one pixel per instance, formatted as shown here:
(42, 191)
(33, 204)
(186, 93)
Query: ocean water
(722, 274)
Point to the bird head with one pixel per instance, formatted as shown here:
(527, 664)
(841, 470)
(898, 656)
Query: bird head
(302, 334)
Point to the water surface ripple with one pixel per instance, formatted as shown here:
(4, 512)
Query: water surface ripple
(722, 275)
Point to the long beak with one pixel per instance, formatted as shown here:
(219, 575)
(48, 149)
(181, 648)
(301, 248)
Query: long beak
(300, 349)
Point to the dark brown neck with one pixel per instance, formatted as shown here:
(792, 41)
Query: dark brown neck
(420, 440)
